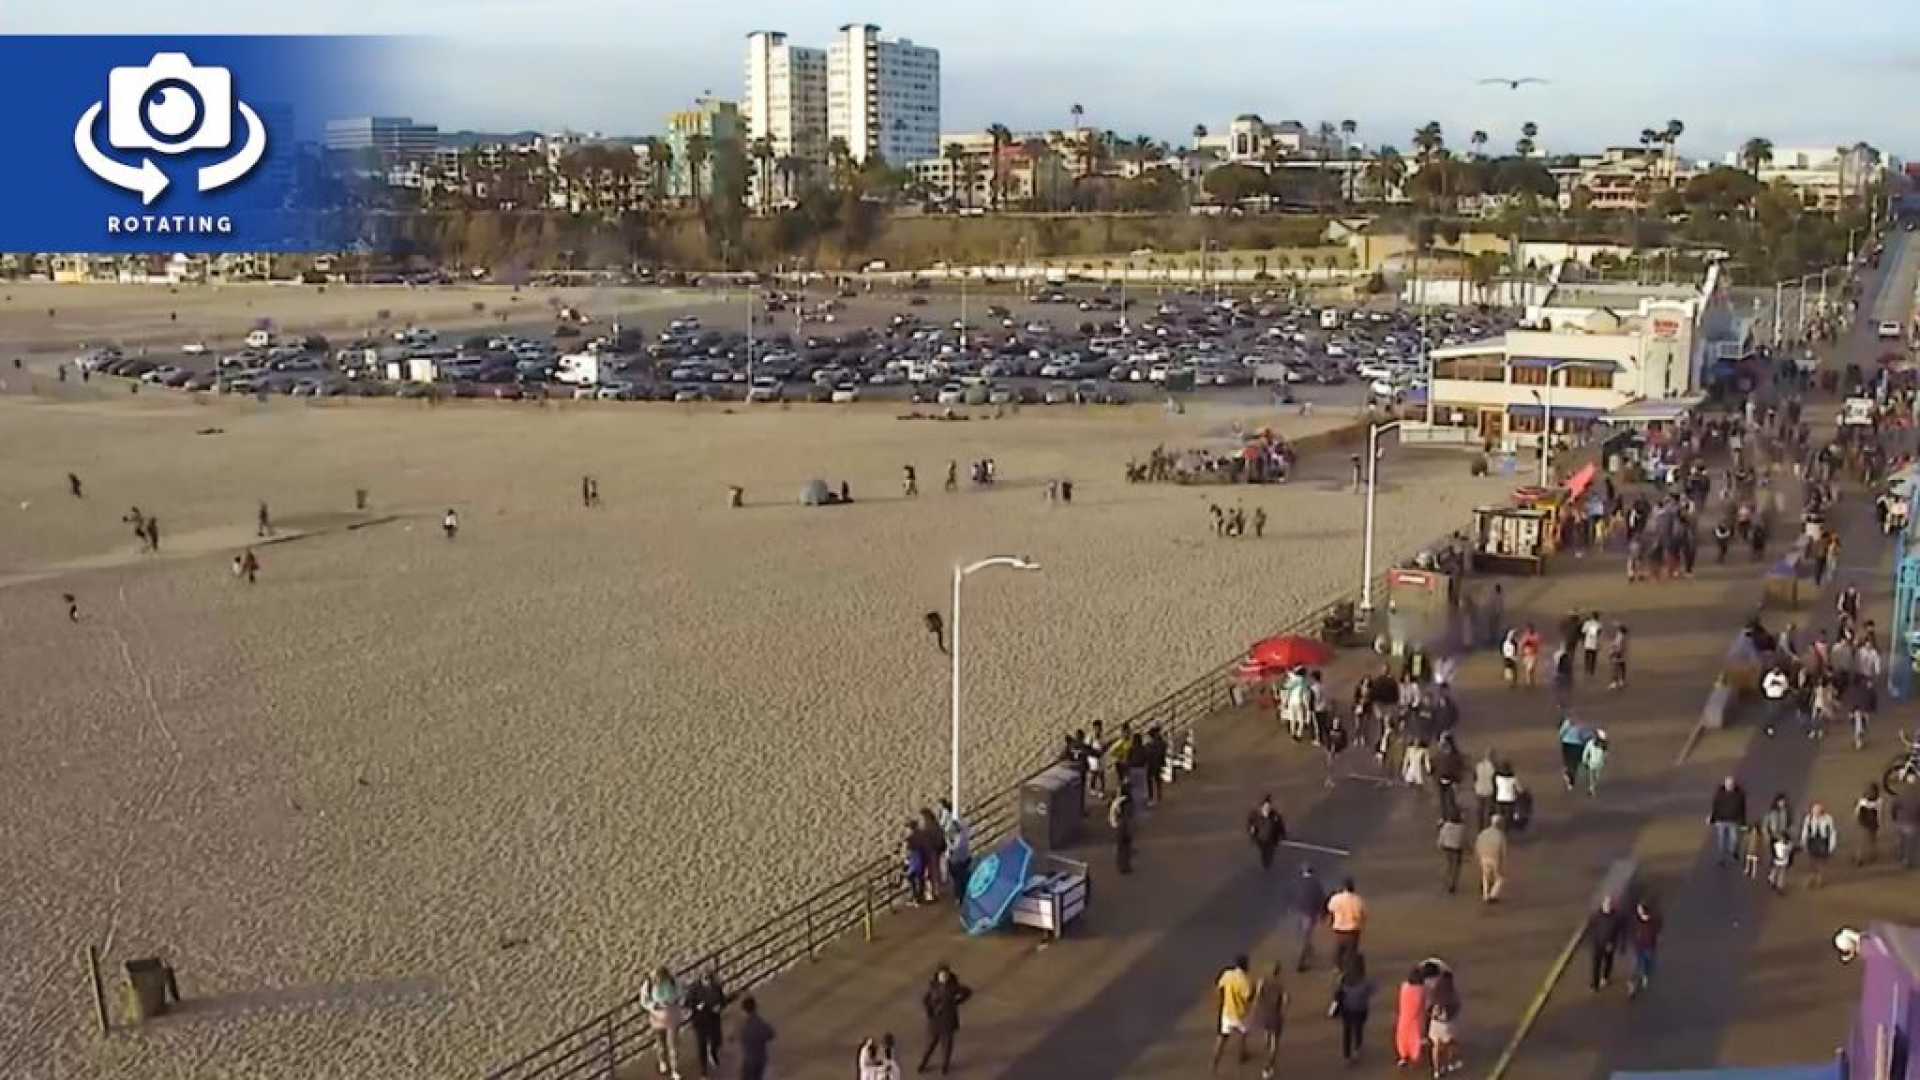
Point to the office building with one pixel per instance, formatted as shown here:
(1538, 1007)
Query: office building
(387, 134)
(786, 98)
(883, 97)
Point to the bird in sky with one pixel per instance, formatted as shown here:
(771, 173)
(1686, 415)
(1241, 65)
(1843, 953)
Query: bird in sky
(1512, 84)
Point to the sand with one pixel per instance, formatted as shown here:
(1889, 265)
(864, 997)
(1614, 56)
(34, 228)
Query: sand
(410, 807)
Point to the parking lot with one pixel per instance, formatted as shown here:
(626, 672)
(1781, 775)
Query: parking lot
(1055, 345)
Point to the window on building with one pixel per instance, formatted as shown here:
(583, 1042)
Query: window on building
(1586, 378)
(1530, 376)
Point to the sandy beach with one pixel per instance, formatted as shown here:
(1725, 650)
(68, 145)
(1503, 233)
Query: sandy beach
(409, 807)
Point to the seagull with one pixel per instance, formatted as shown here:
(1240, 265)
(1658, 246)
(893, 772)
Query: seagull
(1512, 84)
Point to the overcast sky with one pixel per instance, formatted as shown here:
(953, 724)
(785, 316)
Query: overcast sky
(1799, 73)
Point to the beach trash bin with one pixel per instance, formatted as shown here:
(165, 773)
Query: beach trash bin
(1050, 809)
(150, 987)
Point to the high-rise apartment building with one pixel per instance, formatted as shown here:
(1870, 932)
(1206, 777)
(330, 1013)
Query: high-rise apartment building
(883, 97)
(786, 98)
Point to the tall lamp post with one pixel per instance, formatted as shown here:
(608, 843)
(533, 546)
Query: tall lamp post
(1373, 462)
(960, 574)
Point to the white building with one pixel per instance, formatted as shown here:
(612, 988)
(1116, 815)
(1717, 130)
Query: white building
(883, 97)
(786, 98)
(1824, 177)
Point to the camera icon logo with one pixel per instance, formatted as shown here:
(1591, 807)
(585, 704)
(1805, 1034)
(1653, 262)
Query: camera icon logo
(169, 106)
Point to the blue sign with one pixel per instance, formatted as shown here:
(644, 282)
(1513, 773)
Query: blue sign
(180, 144)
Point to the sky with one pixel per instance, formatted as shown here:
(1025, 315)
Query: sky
(1799, 73)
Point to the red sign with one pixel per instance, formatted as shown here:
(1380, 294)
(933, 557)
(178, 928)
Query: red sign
(1666, 326)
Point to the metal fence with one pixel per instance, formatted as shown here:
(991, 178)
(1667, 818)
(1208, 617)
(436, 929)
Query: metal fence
(597, 1049)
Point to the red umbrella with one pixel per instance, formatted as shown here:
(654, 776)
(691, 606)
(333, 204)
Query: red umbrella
(1290, 651)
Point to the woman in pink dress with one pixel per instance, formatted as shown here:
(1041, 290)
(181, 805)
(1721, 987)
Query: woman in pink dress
(1410, 1020)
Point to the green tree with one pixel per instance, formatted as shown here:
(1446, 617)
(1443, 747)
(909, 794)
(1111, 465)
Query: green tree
(1756, 153)
(763, 170)
(956, 156)
(997, 186)
(1479, 141)
(1525, 146)
(699, 149)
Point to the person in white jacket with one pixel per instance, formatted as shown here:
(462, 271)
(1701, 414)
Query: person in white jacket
(1774, 686)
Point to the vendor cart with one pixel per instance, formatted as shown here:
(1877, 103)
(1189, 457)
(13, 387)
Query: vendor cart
(1057, 892)
(1512, 539)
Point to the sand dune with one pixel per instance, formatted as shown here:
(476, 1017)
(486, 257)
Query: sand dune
(410, 807)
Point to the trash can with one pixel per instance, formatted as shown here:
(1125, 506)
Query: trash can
(1050, 809)
(150, 986)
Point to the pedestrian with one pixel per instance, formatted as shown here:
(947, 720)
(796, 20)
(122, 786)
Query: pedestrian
(1266, 828)
(1573, 747)
(1352, 1000)
(1644, 932)
(1410, 1019)
(914, 862)
(1866, 814)
(1506, 792)
(937, 629)
(1617, 657)
(1726, 817)
(665, 1003)
(910, 482)
(1906, 825)
(263, 521)
(1096, 772)
(1776, 827)
(1490, 847)
(1593, 759)
(945, 994)
(754, 1037)
(73, 485)
(1120, 819)
(1590, 632)
(1236, 1001)
(1483, 788)
(1452, 843)
(1447, 766)
(1605, 928)
(153, 534)
(450, 524)
(1818, 837)
(877, 1061)
(1259, 522)
(1530, 656)
(1154, 749)
(249, 565)
(1353, 463)
(1563, 673)
(1309, 908)
(1443, 1024)
(1270, 1001)
(1510, 657)
(1347, 918)
(953, 476)
(959, 840)
(706, 1003)
(73, 607)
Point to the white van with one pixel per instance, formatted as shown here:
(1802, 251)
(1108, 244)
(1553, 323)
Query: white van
(1330, 318)
(259, 339)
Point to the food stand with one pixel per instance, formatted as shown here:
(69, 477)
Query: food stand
(1512, 539)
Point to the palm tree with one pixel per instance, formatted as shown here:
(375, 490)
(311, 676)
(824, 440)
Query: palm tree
(1199, 132)
(1529, 131)
(840, 158)
(1429, 139)
(1479, 141)
(1078, 111)
(1671, 135)
(956, 155)
(699, 149)
(790, 168)
(1348, 128)
(1387, 171)
(997, 186)
(662, 158)
(762, 154)
(1756, 152)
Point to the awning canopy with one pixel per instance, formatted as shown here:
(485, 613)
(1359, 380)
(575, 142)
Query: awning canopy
(1548, 361)
(1560, 412)
(1655, 410)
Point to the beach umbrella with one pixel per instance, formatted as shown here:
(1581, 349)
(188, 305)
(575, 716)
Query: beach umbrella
(1290, 651)
(994, 884)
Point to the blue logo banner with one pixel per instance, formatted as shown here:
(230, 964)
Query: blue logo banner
(182, 144)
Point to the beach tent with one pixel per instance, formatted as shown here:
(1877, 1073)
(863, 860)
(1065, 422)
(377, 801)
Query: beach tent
(993, 886)
(816, 493)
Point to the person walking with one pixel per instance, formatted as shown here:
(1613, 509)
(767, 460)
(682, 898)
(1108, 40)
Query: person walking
(1452, 842)
(1266, 828)
(1866, 814)
(959, 839)
(1644, 932)
(73, 485)
(73, 606)
(941, 1002)
(1776, 828)
(153, 534)
(1590, 631)
(1347, 917)
(1530, 656)
(755, 1037)
(1490, 847)
(1605, 929)
(953, 476)
(1352, 1000)
(1617, 657)
(878, 1060)
(1270, 1001)
(706, 1004)
(936, 629)
(1573, 747)
(1410, 1019)
(1726, 817)
(1593, 760)
(1120, 819)
(1818, 838)
(1309, 908)
(909, 482)
(450, 524)
(1506, 792)
(262, 521)
(1483, 787)
(249, 565)
(1236, 1002)
(1510, 657)
(665, 1003)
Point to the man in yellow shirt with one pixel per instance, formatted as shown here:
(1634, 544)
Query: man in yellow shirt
(1236, 998)
(1347, 915)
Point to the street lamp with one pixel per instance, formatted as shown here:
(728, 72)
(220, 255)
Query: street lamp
(1546, 416)
(1373, 461)
(960, 574)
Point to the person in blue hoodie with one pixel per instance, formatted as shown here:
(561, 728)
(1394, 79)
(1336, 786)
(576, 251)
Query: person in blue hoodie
(1573, 746)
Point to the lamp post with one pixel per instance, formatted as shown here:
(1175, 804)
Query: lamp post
(960, 573)
(1546, 417)
(1373, 462)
